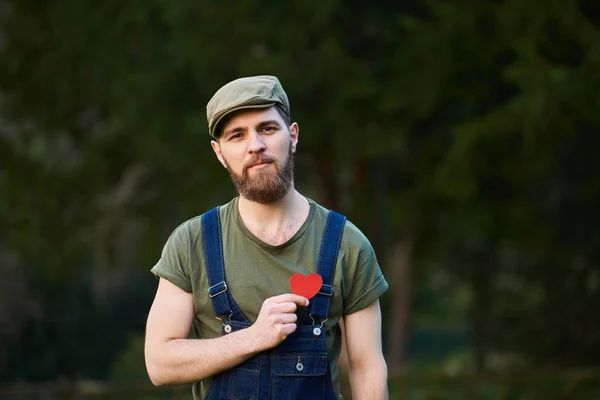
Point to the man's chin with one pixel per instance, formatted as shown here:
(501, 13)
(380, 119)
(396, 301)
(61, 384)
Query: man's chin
(263, 196)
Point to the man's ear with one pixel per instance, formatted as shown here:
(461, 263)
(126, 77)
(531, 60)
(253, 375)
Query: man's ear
(294, 133)
(217, 149)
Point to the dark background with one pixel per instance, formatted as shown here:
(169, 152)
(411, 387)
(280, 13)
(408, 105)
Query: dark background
(460, 136)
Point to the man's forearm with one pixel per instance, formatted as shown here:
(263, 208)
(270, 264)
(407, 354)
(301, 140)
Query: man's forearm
(180, 361)
(369, 384)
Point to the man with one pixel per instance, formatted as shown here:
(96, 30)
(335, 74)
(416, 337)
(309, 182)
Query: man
(226, 274)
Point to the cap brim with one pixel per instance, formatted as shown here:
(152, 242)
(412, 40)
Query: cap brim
(216, 124)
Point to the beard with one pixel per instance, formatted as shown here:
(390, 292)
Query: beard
(265, 187)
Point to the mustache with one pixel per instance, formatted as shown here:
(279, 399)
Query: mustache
(258, 160)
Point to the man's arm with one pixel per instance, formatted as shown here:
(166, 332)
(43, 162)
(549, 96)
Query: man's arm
(172, 358)
(368, 370)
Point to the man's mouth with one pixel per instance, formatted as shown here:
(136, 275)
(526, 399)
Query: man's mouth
(261, 164)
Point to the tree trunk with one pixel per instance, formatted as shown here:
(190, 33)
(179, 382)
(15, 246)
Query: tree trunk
(398, 274)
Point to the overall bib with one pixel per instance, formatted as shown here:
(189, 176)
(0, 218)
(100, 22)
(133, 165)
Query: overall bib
(299, 367)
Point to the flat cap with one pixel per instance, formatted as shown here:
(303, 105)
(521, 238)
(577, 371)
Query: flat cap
(244, 93)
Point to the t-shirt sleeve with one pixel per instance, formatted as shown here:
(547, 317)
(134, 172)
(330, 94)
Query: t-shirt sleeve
(365, 282)
(173, 264)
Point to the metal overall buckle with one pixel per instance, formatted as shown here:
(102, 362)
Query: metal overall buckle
(317, 329)
(226, 324)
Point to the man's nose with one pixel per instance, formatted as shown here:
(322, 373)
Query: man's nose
(256, 143)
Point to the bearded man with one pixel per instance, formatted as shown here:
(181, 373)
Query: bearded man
(224, 317)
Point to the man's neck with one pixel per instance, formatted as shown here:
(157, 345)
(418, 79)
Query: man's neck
(276, 222)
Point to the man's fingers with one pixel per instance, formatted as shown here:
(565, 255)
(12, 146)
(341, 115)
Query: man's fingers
(290, 297)
(287, 307)
(288, 318)
(288, 329)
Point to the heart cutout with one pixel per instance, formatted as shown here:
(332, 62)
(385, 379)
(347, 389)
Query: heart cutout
(306, 286)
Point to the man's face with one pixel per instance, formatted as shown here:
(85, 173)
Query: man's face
(257, 149)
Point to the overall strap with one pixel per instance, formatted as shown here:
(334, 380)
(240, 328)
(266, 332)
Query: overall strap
(330, 247)
(215, 268)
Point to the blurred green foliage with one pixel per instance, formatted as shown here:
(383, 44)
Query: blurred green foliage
(468, 128)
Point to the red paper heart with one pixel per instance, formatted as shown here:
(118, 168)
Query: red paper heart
(306, 286)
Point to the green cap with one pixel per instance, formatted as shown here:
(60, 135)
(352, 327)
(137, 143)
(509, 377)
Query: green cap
(252, 92)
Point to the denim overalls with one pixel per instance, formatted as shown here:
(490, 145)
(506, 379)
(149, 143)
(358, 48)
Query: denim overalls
(299, 367)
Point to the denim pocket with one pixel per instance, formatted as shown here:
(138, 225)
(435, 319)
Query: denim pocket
(301, 376)
(243, 384)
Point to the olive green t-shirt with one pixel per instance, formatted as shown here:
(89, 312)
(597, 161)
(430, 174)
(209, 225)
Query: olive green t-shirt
(255, 271)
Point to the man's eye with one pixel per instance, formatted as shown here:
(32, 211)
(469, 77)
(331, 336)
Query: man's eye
(268, 128)
(236, 136)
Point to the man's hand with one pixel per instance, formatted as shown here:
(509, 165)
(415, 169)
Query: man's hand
(276, 320)
(172, 358)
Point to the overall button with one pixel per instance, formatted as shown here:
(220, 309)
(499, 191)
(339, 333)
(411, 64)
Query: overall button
(317, 331)
(299, 366)
(227, 328)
